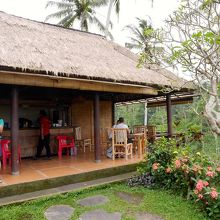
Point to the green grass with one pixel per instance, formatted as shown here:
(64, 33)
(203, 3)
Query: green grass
(163, 203)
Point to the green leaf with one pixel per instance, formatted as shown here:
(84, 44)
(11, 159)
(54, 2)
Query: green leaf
(197, 35)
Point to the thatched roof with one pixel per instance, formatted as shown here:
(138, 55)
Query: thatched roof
(41, 48)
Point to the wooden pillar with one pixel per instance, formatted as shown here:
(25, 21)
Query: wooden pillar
(14, 131)
(169, 115)
(113, 113)
(97, 128)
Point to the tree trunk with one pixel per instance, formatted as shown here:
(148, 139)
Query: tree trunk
(111, 2)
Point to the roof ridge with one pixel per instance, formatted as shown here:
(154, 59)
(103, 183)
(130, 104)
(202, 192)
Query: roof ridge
(54, 25)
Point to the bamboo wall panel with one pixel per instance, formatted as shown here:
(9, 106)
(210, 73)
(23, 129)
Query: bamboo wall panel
(82, 116)
(105, 114)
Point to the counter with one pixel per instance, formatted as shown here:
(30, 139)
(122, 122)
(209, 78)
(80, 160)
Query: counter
(28, 139)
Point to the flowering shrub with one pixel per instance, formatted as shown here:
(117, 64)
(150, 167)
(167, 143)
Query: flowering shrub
(190, 173)
(205, 192)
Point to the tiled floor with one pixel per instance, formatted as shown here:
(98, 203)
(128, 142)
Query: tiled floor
(31, 170)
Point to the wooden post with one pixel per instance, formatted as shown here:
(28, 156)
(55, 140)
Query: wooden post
(113, 113)
(14, 131)
(169, 115)
(97, 128)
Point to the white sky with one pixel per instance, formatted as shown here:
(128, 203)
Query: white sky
(130, 9)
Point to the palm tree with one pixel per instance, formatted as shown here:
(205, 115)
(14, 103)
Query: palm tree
(83, 11)
(142, 35)
(117, 10)
(115, 3)
(142, 40)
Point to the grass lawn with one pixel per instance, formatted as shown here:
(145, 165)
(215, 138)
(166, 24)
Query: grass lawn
(165, 204)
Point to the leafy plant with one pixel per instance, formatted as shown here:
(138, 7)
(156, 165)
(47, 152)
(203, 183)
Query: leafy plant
(186, 171)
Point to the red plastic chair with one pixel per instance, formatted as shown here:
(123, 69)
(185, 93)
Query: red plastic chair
(6, 153)
(65, 142)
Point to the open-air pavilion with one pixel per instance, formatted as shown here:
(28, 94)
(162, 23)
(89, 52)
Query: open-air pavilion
(77, 77)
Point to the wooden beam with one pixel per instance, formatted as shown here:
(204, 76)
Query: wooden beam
(14, 131)
(174, 102)
(72, 83)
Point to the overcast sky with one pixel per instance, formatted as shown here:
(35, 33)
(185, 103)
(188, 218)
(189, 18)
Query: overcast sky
(130, 9)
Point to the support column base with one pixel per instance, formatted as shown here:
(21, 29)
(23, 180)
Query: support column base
(98, 161)
(15, 173)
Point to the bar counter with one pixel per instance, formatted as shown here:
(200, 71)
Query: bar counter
(29, 137)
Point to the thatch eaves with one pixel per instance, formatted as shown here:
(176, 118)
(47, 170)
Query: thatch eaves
(40, 48)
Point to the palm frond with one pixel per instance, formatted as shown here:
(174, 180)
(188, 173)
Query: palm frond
(134, 40)
(142, 36)
(98, 3)
(132, 46)
(84, 21)
(59, 5)
(58, 14)
(68, 21)
(117, 6)
(136, 32)
(101, 26)
(82, 10)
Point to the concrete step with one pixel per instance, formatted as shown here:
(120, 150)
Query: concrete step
(63, 189)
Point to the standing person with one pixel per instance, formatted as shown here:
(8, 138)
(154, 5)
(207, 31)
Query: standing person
(1, 130)
(44, 139)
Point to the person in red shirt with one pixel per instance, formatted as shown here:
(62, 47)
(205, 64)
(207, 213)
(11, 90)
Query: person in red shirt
(44, 139)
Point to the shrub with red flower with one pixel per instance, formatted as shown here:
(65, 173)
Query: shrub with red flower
(218, 169)
(205, 183)
(209, 168)
(196, 168)
(192, 174)
(168, 170)
(185, 160)
(214, 193)
(200, 196)
(199, 185)
(210, 173)
(155, 166)
(208, 198)
(177, 164)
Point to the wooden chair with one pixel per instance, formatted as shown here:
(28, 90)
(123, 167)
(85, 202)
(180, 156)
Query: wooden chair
(151, 133)
(87, 142)
(140, 129)
(104, 139)
(65, 142)
(120, 145)
(6, 152)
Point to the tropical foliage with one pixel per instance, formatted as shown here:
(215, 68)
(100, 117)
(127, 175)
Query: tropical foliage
(133, 114)
(82, 11)
(141, 35)
(191, 40)
(186, 171)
